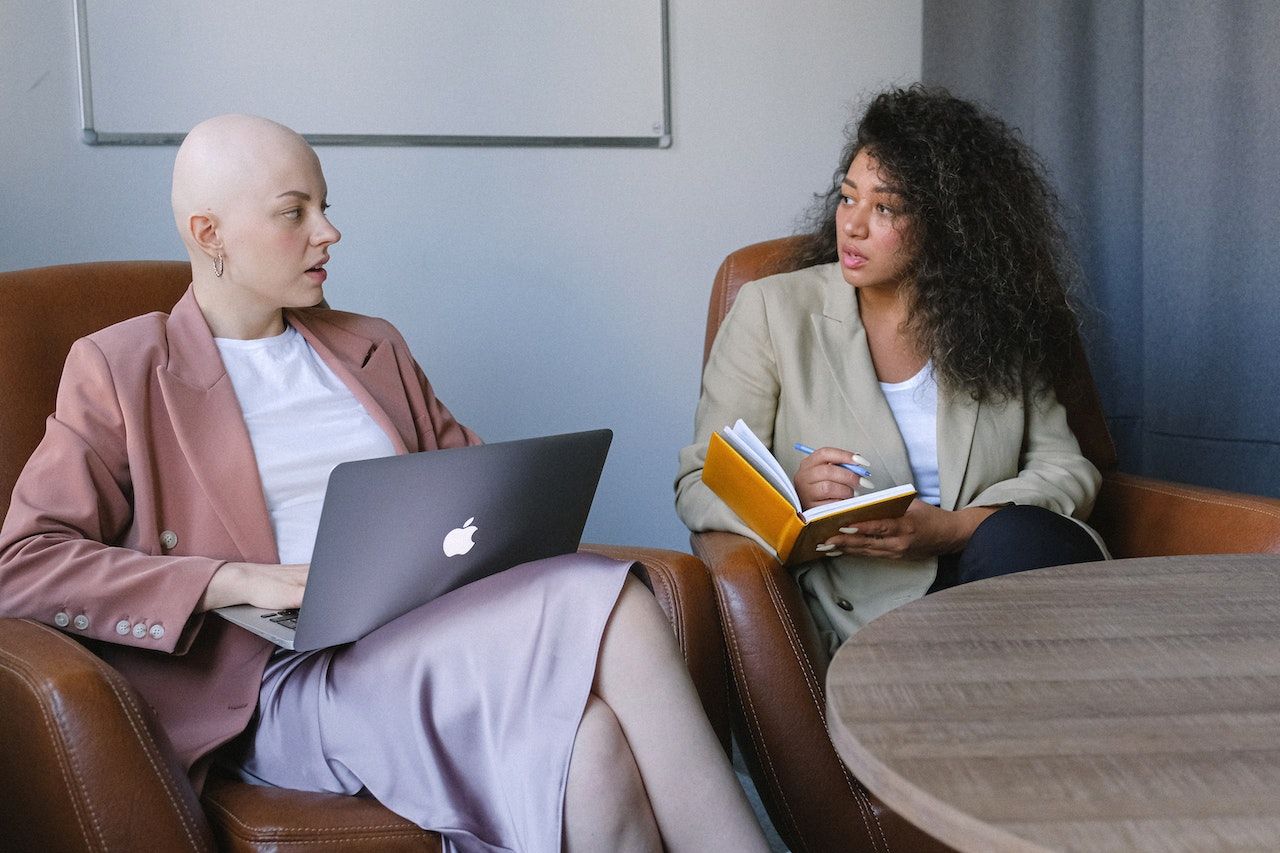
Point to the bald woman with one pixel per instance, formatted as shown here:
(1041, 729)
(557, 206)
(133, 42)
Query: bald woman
(530, 711)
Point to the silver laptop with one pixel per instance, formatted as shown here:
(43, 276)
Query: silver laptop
(398, 531)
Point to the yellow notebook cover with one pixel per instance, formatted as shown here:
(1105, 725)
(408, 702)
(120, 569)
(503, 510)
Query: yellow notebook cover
(751, 496)
(772, 516)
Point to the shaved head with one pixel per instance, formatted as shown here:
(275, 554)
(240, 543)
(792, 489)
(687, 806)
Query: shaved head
(249, 199)
(229, 158)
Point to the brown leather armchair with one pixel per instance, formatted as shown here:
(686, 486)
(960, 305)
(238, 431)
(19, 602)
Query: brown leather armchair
(778, 665)
(81, 764)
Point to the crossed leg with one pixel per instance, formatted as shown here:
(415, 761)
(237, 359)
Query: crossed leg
(647, 772)
(606, 807)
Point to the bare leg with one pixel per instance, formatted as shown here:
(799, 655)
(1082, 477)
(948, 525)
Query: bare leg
(641, 676)
(605, 804)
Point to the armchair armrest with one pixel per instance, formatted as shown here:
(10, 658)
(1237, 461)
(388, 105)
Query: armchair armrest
(778, 665)
(254, 819)
(1143, 517)
(683, 588)
(81, 768)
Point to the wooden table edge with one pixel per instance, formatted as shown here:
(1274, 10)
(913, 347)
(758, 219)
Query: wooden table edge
(948, 824)
(958, 828)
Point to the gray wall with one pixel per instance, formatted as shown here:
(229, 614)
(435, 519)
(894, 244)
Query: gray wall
(542, 289)
(1160, 122)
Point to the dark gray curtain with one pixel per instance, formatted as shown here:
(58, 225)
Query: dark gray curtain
(1160, 124)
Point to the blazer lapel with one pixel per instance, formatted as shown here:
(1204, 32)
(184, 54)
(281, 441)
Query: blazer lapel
(370, 371)
(957, 423)
(847, 357)
(211, 432)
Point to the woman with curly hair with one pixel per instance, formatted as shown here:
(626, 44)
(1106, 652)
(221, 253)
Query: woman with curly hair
(920, 339)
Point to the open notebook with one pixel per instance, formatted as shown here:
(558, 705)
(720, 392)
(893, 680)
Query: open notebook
(751, 481)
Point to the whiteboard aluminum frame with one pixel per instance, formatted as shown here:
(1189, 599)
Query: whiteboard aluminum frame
(662, 139)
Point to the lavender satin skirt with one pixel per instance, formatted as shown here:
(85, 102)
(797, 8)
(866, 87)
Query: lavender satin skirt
(459, 715)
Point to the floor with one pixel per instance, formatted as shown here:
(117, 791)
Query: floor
(770, 834)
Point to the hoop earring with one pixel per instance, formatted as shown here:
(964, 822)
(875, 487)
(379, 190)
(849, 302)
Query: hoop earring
(218, 265)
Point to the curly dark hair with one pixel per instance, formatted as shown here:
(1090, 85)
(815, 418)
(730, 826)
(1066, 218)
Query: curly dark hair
(992, 303)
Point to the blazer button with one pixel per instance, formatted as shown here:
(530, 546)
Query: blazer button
(61, 619)
(157, 632)
(168, 540)
(139, 630)
(82, 622)
(122, 627)
(843, 604)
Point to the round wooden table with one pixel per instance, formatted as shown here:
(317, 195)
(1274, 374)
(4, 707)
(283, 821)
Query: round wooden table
(1128, 705)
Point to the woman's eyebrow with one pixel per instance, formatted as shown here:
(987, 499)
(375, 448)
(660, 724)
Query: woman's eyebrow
(296, 193)
(880, 188)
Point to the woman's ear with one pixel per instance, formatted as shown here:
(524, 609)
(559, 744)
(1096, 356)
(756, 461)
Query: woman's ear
(204, 231)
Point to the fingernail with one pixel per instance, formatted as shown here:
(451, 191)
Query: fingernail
(823, 547)
(863, 481)
(835, 553)
(849, 530)
(861, 460)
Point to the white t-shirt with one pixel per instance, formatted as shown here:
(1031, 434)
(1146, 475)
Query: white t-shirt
(302, 422)
(914, 403)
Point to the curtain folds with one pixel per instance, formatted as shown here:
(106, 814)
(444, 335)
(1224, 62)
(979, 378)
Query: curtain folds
(1159, 122)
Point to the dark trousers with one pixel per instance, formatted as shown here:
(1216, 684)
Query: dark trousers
(1015, 539)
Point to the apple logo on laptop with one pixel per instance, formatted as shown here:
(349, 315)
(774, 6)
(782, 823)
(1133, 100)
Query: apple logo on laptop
(458, 540)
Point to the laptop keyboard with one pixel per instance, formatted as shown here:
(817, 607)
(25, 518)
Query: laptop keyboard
(287, 618)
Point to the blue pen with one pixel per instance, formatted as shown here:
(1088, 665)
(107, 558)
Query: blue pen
(857, 469)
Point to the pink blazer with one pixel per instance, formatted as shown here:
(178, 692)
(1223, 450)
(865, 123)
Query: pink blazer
(145, 483)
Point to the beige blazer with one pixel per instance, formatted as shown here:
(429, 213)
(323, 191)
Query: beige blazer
(145, 483)
(791, 359)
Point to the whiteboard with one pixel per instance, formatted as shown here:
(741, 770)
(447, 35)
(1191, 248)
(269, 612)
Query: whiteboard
(379, 72)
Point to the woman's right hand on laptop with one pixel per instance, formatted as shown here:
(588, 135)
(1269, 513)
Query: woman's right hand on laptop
(270, 585)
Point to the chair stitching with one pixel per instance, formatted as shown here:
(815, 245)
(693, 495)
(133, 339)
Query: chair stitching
(730, 273)
(291, 842)
(869, 816)
(249, 831)
(674, 601)
(727, 680)
(1173, 491)
(149, 749)
(133, 715)
(672, 597)
(675, 615)
(855, 787)
(60, 747)
(88, 801)
(744, 698)
(862, 799)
